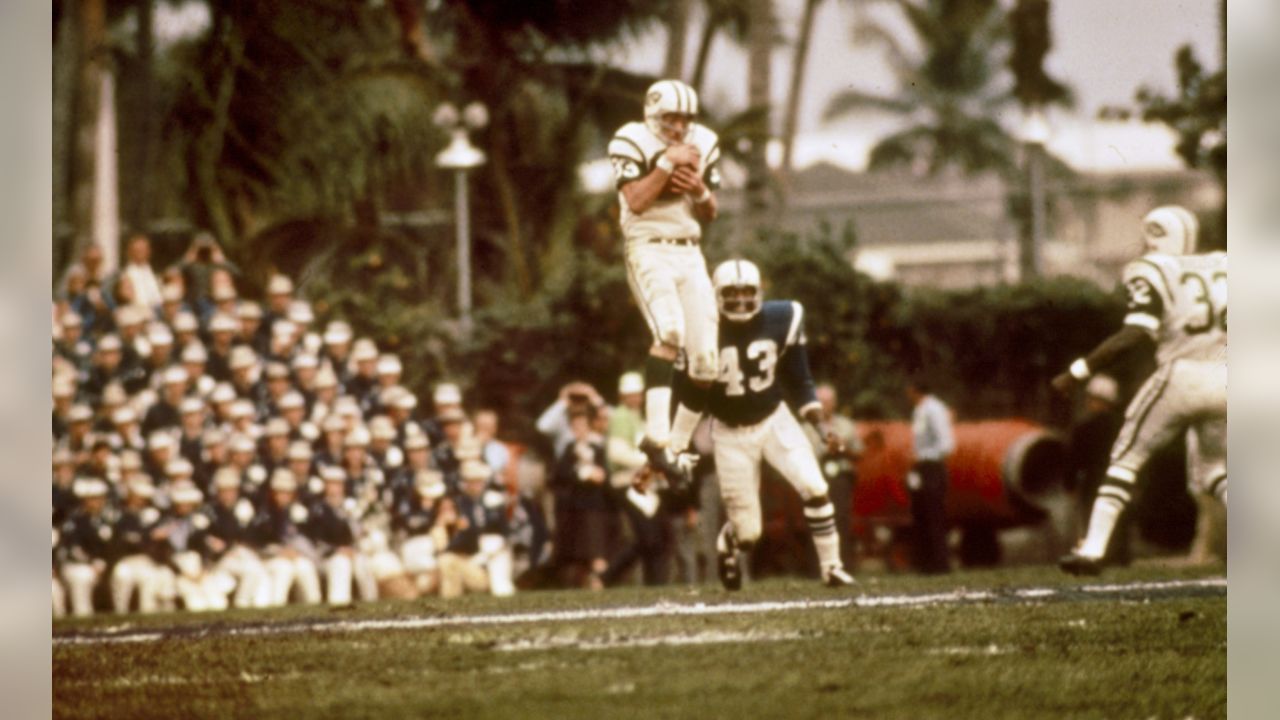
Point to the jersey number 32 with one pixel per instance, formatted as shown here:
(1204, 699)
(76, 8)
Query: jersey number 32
(764, 352)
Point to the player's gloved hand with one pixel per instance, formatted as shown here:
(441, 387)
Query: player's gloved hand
(682, 154)
(1064, 383)
(685, 462)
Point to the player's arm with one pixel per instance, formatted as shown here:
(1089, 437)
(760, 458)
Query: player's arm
(642, 191)
(797, 380)
(701, 187)
(1145, 309)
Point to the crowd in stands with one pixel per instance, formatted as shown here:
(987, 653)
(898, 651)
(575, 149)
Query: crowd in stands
(214, 451)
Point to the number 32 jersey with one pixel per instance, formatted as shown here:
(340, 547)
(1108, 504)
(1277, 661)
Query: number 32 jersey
(762, 363)
(1181, 300)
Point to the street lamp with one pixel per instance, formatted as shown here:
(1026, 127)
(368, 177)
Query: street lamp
(1035, 133)
(461, 156)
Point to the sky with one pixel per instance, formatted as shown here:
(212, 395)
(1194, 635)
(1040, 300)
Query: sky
(1105, 49)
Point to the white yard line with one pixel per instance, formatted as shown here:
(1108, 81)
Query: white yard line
(660, 609)
(709, 637)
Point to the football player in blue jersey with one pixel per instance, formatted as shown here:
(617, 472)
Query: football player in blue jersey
(764, 375)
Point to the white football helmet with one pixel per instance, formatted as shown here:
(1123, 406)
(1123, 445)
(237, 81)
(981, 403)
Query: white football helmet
(668, 96)
(738, 275)
(1170, 229)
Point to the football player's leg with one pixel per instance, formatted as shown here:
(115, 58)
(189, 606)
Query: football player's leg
(1152, 419)
(654, 288)
(787, 449)
(738, 469)
(701, 319)
(1207, 457)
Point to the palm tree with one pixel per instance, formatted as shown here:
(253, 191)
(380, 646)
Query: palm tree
(801, 58)
(948, 93)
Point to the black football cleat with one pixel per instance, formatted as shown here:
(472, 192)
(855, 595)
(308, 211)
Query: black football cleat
(678, 476)
(1076, 564)
(836, 577)
(728, 562)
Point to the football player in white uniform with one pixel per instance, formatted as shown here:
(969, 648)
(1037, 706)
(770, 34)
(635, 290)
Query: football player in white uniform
(666, 170)
(763, 384)
(1178, 304)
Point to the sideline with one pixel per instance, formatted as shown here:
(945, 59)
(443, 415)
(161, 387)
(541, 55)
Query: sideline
(1139, 591)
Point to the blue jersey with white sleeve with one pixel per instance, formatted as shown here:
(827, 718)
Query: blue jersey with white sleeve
(762, 363)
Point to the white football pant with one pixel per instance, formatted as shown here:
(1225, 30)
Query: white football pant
(671, 285)
(1182, 397)
(739, 451)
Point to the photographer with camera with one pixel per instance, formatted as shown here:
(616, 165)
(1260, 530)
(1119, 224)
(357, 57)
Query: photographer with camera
(199, 263)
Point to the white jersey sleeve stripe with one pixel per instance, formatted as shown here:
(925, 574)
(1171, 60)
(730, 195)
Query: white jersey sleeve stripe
(1143, 320)
(795, 334)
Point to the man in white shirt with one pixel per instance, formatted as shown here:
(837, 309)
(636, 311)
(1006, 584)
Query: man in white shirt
(146, 287)
(933, 441)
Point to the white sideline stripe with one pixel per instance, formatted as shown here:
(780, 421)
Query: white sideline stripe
(661, 609)
(713, 637)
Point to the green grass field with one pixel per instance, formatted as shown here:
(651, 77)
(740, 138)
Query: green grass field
(1054, 652)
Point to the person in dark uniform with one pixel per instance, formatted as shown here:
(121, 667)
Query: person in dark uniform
(132, 566)
(85, 544)
(334, 527)
(477, 557)
(278, 533)
(764, 384)
(229, 541)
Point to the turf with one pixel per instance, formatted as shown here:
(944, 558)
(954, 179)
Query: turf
(1076, 657)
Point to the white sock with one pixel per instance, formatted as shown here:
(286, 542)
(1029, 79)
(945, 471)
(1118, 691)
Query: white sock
(1102, 521)
(683, 426)
(822, 526)
(657, 415)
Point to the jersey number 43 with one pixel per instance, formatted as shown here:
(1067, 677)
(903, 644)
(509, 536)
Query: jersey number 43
(765, 354)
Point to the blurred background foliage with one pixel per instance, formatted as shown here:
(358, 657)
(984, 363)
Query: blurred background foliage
(300, 132)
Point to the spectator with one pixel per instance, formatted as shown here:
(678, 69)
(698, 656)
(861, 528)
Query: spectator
(165, 414)
(554, 421)
(494, 453)
(334, 527)
(933, 443)
(278, 533)
(229, 541)
(198, 264)
(133, 567)
(85, 545)
(584, 514)
(137, 269)
(477, 557)
(419, 521)
(839, 466)
(180, 546)
(337, 350)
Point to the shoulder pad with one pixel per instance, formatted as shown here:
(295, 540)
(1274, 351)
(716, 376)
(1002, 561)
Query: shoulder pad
(104, 532)
(244, 511)
(200, 521)
(298, 513)
(149, 516)
(707, 142)
(256, 474)
(493, 499)
(634, 141)
(1155, 269)
(315, 485)
(376, 476)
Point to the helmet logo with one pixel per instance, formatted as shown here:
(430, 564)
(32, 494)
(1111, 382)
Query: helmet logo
(1155, 229)
(654, 97)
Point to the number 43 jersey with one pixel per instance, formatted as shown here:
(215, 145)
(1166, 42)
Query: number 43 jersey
(1181, 300)
(762, 363)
